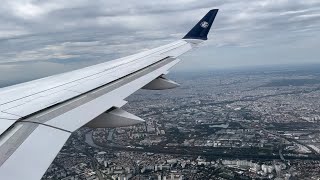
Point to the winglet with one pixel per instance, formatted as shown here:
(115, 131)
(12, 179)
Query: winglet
(202, 28)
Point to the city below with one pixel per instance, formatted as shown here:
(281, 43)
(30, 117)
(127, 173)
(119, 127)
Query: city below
(258, 123)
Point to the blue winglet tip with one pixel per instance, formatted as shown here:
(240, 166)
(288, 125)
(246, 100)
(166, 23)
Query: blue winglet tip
(202, 28)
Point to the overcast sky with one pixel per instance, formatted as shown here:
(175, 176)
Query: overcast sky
(43, 37)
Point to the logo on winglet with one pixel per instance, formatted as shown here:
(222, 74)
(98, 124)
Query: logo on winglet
(204, 24)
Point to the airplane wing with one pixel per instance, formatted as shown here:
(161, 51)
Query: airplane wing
(37, 117)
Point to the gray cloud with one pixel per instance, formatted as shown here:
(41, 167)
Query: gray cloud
(93, 31)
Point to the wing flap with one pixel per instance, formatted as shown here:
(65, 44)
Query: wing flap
(34, 155)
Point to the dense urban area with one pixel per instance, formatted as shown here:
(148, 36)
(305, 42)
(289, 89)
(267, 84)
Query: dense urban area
(261, 123)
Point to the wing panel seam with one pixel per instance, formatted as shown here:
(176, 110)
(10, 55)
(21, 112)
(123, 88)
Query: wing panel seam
(39, 123)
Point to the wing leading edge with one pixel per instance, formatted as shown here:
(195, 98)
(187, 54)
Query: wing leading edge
(37, 117)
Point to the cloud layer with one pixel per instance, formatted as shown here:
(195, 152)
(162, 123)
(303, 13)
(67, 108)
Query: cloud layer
(90, 31)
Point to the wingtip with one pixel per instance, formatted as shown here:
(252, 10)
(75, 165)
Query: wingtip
(202, 28)
(214, 10)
